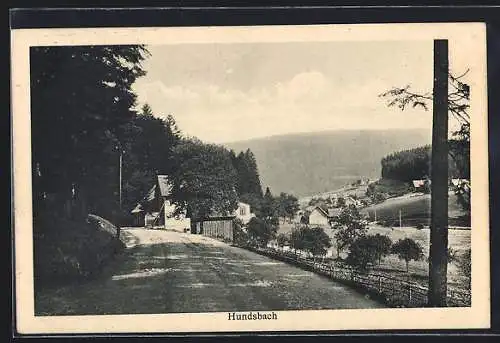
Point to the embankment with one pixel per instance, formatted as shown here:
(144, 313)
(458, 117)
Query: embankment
(67, 251)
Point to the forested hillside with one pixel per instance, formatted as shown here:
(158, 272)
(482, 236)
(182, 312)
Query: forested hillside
(414, 164)
(311, 163)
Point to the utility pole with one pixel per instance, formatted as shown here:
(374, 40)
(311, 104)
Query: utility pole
(438, 259)
(119, 219)
(121, 162)
(400, 224)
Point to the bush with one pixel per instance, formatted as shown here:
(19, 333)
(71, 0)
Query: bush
(465, 263)
(260, 231)
(367, 250)
(407, 249)
(420, 226)
(362, 253)
(240, 236)
(67, 250)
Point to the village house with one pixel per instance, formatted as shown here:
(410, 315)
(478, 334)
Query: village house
(157, 209)
(243, 212)
(321, 216)
(349, 200)
(420, 185)
(220, 225)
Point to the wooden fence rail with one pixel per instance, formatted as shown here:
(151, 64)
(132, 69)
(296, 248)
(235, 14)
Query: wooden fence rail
(393, 291)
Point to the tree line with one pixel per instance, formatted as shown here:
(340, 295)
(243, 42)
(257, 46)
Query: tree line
(85, 122)
(81, 109)
(415, 164)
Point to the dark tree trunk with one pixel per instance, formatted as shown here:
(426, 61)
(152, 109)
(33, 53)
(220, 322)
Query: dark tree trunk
(439, 179)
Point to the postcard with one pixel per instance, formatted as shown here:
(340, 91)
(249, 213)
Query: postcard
(250, 178)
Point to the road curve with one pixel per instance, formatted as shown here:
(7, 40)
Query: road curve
(171, 272)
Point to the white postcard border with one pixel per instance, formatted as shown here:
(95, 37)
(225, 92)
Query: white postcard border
(471, 37)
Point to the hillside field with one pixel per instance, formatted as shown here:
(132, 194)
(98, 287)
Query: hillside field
(415, 208)
(459, 241)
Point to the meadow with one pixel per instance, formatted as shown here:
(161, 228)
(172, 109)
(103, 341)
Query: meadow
(459, 241)
(415, 208)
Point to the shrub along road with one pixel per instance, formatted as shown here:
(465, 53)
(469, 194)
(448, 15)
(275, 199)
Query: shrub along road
(171, 272)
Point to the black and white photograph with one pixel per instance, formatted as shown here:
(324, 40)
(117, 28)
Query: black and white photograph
(245, 178)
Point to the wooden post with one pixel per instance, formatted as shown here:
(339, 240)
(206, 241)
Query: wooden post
(439, 179)
(121, 160)
(409, 293)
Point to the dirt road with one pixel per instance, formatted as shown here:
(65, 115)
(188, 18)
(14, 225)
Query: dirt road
(171, 272)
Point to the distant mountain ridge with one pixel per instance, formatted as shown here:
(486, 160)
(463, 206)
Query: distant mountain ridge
(308, 163)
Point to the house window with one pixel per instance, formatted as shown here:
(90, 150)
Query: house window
(242, 211)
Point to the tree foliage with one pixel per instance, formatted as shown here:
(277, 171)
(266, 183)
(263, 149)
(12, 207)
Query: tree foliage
(204, 179)
(269, 206)
(382, 244)
(407, 165)
(313, 240)
(407, 249)
(348, 225)
(248, 174)
(81, 99)
(297, 237)
(316, 241)
(363, 252)
(282, 239)
(287, 206)
(458, 106)
(415, 164)
(240, 235)
(341, 201)
(148, 146)
(260, 231)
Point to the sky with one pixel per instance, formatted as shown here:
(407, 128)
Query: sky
(225, 92)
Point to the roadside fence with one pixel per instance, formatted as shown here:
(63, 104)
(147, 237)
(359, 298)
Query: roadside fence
(393, 291)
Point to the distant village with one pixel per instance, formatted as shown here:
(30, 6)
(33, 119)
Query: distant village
(157, 210)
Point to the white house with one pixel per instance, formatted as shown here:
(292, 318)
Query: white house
(419, 185)
(243, 212)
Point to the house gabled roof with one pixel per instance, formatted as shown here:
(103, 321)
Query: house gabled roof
(165, 185)
(150, 195)
(322, 210)
(328, 212)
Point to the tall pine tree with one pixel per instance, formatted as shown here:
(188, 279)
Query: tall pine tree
(80, 100)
